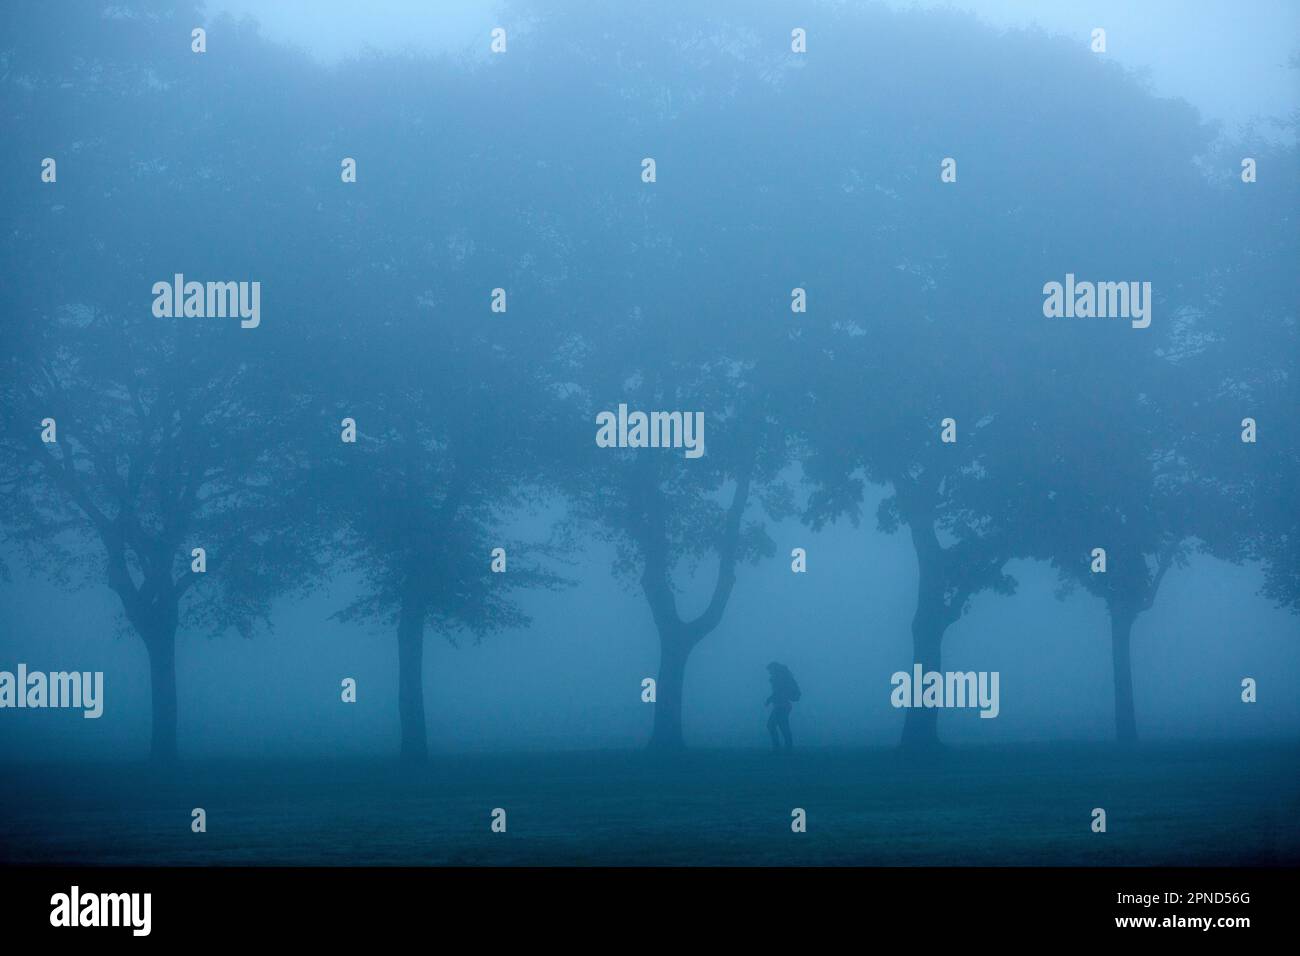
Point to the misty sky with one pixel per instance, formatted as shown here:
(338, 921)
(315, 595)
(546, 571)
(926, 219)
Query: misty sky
(1229, 59)
(573, 678)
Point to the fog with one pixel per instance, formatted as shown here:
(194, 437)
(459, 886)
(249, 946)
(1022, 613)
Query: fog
(470, 247)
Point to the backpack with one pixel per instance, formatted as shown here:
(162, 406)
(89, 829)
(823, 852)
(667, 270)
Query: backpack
(791, 688)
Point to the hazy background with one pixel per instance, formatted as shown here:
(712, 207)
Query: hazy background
(1228, 60)
(572, 680)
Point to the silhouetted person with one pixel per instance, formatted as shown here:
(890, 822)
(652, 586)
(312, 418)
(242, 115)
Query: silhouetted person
(784, 693)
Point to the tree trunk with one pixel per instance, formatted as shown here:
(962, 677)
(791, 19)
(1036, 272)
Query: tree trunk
(154, 612)
(929, 622)
(667, 733)
(161, 645)
(921, 724)
(676, 636)
(1121, 633)
(410, 679)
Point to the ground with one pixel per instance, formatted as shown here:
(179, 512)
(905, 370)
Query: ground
(1222, 804)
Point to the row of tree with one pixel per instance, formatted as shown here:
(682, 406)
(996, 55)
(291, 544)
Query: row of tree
(522, 173)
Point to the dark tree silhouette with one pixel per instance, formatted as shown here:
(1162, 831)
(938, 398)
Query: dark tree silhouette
(1242, 354)
(662, 310)
(172, 433)
(453, 418)
(945, 319)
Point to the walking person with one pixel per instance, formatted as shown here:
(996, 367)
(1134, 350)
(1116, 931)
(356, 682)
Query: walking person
(784, 694)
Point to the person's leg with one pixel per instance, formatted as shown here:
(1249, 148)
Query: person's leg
(785, 729)
(772, 723)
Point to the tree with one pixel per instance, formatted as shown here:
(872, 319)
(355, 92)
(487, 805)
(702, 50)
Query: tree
(131, 440)
(162, 456)
(1168, 473)
(1243, 350)
(949, 329)
(441, 468)
(660, 313)
(441, 285)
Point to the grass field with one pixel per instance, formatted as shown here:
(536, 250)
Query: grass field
(1222, 804)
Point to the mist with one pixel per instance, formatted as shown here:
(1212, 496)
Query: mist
(469, 243)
